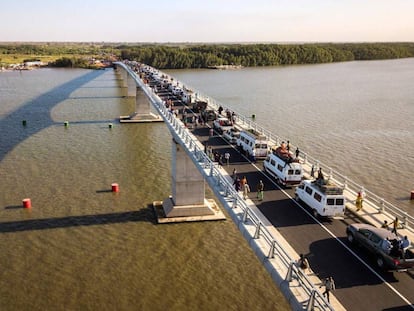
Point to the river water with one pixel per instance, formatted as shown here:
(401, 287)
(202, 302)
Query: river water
(82, 247)
(356, 117)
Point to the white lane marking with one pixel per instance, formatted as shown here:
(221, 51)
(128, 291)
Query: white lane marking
(340, 242)
(326, 229)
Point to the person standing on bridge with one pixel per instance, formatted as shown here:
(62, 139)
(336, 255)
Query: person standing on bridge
(237, 184)
(358, 201)
(260, 190)
(395, 225)
(243, 181)
(227, 157)
(297, 152)
(303, 263)
(246, 190)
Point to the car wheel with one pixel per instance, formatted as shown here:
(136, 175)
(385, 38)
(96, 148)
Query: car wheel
(351, 238)
(315, 213)
(297, 198)
(380, 262)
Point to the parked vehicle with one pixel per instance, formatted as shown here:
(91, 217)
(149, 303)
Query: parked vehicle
(209, 115)
(383, 245)
(253, 144)
(322, 196)
(222, 124)
(232, 135)
(281, 165)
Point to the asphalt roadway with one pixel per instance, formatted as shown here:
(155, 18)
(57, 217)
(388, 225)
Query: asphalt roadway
(359, 284)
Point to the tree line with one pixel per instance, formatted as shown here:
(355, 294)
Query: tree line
(248, 55)
(180, 56)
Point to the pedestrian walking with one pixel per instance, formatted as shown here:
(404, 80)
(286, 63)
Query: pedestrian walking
(297, 153)
(260, 190)
(312, 172)
(395, 225)
(288, 146)
(329, 286)
(227, 157)
(246, 190)
(358, 201)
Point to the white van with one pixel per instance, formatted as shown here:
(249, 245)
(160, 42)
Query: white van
(286, 171)
(323, 197)
(253, 144)
(231, 135)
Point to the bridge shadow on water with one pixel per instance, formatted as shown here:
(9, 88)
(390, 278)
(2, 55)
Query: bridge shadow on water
(145, 214)
(37, 113)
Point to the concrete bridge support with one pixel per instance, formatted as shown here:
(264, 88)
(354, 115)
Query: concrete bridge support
(188, 202)
(123, 75)
(142, 103)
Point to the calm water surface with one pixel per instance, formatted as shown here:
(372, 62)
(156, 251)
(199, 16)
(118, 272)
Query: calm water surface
(357, 117)
(82, 247)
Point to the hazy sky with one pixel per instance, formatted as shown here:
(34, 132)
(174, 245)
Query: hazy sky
(207, 20)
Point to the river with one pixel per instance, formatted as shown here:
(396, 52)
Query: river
(82, 247)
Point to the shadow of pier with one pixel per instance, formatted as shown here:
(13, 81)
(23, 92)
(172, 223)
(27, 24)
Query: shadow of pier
(145, 214)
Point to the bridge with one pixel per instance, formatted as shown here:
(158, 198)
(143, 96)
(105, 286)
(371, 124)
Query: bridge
(274, 227)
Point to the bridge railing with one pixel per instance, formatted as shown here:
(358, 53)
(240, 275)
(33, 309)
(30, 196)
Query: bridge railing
(379, 203)
(222, 184)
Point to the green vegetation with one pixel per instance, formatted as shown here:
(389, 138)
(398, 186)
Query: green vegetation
(178, 56)
(204, 56)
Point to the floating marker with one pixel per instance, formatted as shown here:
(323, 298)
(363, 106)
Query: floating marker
(24, 122)
(110, 125)
(115, 187)
(27, 203)
(253, 116)
(66, 123)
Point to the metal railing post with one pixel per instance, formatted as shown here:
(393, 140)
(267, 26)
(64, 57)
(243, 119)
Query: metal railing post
(272, 250)
(311, 302)
(257, 232)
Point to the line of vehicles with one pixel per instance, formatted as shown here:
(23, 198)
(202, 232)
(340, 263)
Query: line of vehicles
(322, 196)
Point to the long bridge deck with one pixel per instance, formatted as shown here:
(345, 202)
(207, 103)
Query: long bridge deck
(322, 240)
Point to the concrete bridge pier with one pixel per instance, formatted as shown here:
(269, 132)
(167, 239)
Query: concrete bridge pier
(119, 70)
(188, 202)
(142, 103)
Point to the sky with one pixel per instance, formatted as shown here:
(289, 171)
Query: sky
(207, 20)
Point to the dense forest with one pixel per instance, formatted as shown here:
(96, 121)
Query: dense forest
(178, 56)
(204, 56)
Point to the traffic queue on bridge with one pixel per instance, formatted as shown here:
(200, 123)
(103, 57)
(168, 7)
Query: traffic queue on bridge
(321, 195)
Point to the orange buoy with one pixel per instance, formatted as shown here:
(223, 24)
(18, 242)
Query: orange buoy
(115, 187)
(27, 203)
(412, 195)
